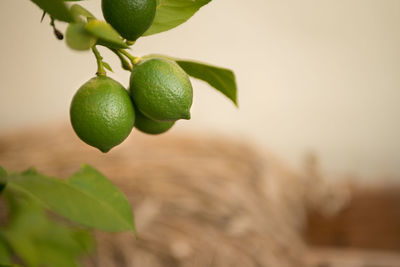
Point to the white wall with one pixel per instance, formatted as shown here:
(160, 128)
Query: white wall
(313, 75)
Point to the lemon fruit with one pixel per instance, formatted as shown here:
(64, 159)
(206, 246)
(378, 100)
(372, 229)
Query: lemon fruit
(102, 113)
(161, 90)
(149, 126)
(131, 18)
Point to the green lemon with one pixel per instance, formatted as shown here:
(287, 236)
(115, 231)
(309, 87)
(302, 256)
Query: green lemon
(161, 90)
(102, 113)
(131, 18)
(149, 126)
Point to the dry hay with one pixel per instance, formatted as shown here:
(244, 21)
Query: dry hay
(370, 221)
(198, 201)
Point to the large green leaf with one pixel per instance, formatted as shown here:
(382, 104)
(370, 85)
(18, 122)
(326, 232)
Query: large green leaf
(172, 13)
(220, 78)
(106, 33)
(55, 8)
(93, 183)
(40, 241)
(87, 198)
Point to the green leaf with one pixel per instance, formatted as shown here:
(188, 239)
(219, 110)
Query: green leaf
(220, 78)
(172, 13)
(78, 38)
(56, 8)
(107, 66)
(94, 184)
(87, 198)
(78, 10)
(29, 171)
(3, 172)
(5, 254)
(39, 240)
(106, 34)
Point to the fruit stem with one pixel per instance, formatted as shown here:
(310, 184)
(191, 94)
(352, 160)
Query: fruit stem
(57, 33)
(134, 60)
(124, 63)
(100, 67)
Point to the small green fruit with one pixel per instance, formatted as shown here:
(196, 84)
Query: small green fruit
(131, 18)
(149, 126)
(102, 113)
(161, 90)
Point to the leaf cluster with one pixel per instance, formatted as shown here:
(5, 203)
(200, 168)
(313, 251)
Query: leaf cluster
(86, 200)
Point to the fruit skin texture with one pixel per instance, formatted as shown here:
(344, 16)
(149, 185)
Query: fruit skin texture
(131, 18)
(149, 126)
(161, 90)
(102, 113)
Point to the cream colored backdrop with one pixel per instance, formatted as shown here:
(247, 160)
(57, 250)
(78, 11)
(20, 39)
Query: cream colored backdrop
(314, 75)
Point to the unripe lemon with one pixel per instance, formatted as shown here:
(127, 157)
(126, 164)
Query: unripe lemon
(161, 90)
(131, 18)
(149, 126)
(102, 113)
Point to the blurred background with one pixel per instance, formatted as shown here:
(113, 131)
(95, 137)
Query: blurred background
(313, 76)
(317, 78)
